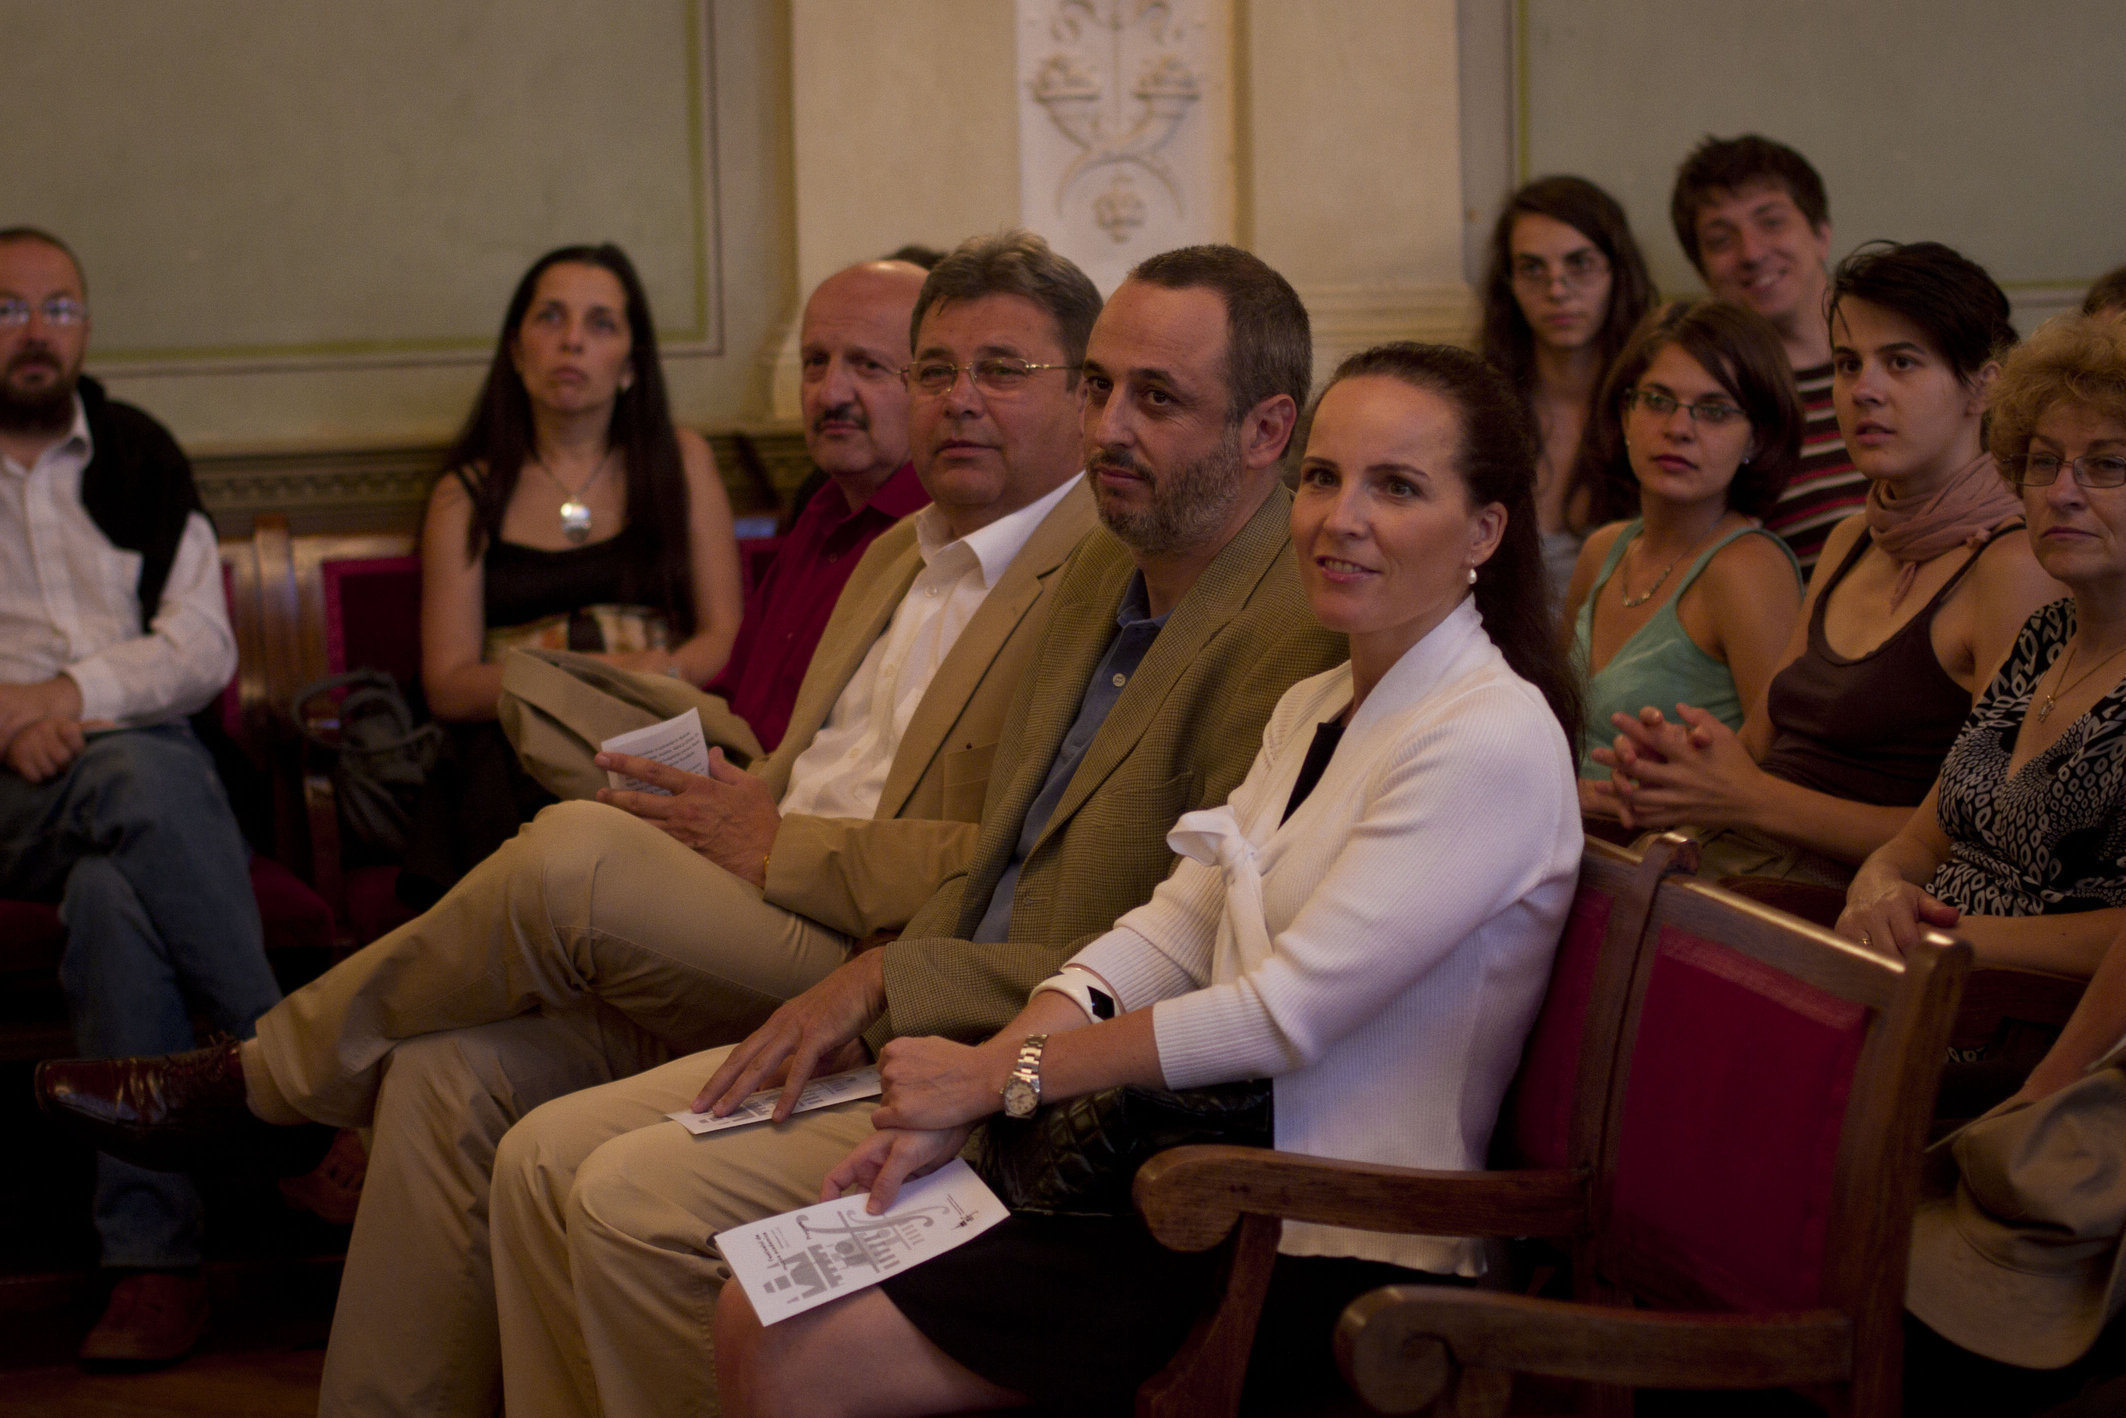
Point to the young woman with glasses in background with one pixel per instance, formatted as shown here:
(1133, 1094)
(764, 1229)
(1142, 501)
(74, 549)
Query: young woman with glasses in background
(1565, 288)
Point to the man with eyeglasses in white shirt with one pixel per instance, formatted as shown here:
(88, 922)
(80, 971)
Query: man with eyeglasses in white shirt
(112, 630)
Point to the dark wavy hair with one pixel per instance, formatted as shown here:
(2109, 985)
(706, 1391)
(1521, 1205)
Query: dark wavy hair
(1505, 338)
(1496, 461)
(492, 448)
(1952, 300)
(1741, 351)
(1723, 165)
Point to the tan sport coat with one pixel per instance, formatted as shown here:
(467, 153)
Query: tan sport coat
(860, 875)
(1180, 737)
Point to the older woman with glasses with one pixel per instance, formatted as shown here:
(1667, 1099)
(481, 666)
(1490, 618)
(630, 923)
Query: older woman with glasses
(1565, 288)
(2021, 844)
(1691, 601)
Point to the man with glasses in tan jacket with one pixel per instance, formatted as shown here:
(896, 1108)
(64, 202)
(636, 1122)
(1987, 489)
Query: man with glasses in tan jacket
(1176, 630)
(600, 942)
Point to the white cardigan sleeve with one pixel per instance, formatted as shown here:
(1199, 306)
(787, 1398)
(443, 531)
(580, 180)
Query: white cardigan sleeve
(1459, 825)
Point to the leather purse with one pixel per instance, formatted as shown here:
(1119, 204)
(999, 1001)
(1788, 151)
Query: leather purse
(1079, 1156)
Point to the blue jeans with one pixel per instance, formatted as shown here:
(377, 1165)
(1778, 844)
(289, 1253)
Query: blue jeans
(136, 843)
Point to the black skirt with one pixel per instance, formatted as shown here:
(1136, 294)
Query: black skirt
(1075, 1312)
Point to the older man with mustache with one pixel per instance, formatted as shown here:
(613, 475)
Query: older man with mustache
(851, 344)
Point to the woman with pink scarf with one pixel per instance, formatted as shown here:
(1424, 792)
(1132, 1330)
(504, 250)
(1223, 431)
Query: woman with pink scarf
(1914, 604)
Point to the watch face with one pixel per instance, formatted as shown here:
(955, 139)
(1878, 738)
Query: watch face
(1020, 1098)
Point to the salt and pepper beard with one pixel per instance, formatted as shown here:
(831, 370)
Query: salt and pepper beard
(51, 411)
(1189, 503)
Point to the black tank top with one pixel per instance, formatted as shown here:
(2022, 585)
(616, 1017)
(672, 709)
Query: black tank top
(1873, 729)
(523, 584)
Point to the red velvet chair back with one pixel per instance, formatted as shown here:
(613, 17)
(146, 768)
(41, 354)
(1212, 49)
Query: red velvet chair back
(372, 611)
(1766, 1117)
(1549, 1123)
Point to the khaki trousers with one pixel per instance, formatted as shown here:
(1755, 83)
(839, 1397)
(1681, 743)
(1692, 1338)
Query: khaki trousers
(589, 947)
(606, 1276)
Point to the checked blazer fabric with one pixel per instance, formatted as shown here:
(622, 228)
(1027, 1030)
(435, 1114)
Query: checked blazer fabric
(1181, 737)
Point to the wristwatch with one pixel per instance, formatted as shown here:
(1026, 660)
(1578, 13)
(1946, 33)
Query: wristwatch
(1022, 1091)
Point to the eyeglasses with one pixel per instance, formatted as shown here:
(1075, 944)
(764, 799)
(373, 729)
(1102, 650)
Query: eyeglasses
(1578, 271)
(1660, 405)
(2090, 470)
(59, 310)
(991, 376)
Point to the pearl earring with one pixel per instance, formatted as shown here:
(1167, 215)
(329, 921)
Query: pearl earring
(1472, 576)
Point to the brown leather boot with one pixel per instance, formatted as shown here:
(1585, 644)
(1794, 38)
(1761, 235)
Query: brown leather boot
(154, 1318)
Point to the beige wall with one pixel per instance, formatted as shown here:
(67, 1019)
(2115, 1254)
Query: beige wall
(301, 223)
(905, 126)
(1992, 127)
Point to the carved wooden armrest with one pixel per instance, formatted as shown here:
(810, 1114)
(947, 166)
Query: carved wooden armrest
(1401, 1346)
(1192, 1197)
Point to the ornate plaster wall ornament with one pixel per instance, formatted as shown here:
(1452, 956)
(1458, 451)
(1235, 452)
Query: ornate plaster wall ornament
(1123, 126)
(1119, 79)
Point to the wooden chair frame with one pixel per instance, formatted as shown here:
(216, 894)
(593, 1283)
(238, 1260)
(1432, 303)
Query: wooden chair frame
(1847, 1352)
(1195, 1197)
(1994, 995)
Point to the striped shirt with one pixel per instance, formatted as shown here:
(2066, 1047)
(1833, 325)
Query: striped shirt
(1827, 488)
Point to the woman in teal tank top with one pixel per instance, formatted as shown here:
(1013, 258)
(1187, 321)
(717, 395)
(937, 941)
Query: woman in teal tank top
(1692, 601)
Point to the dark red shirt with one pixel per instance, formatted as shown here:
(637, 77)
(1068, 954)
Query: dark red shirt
(788, 612)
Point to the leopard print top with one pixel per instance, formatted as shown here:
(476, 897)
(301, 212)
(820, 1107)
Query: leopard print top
(2049, 838)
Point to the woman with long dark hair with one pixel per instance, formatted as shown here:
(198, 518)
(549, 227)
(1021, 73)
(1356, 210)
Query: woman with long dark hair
(1565, 288)
(1364, 929)
(571, 515)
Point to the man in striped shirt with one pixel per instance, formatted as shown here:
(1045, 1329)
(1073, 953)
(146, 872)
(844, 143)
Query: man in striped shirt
(1752, 216)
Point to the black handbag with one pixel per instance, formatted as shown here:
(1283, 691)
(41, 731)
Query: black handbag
(1078, 1157)
(380, 756)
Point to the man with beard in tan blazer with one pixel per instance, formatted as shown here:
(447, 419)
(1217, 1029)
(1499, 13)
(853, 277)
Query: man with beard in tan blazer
(608, 936)
(1176, 630)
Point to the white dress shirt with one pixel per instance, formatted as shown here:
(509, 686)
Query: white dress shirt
(70, 601)
(843, 771)
(1383, 953)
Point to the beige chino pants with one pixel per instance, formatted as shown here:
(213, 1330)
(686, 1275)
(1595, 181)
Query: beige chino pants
(589, 947)
(605, 1274)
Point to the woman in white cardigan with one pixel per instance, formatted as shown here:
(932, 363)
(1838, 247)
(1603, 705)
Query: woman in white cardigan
(1369, 922)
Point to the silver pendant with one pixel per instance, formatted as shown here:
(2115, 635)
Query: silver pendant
(575, 522)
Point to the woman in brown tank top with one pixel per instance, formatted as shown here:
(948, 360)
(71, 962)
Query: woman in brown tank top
(1913, 605)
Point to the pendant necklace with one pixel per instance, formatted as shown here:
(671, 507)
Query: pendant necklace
(2044, 711)
(1632, 602)
(575, 516)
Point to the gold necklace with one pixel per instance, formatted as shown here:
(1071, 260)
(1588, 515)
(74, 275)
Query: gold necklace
(1632, 602)
(2044, 711)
